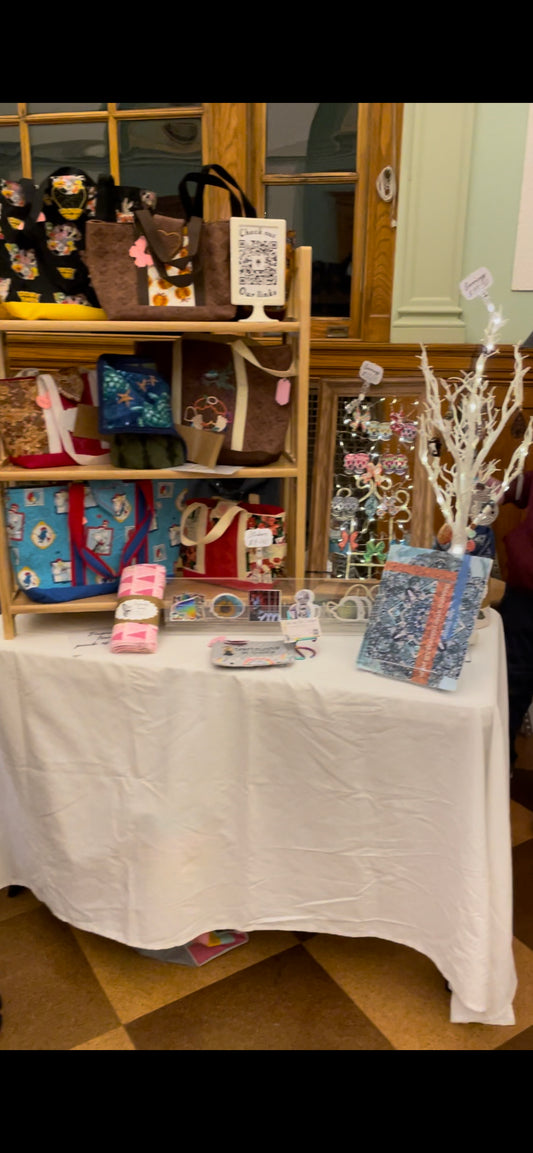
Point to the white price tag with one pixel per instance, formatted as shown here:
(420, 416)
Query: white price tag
(371, 373)
(308, 630)
(477, 284)
(258, 538)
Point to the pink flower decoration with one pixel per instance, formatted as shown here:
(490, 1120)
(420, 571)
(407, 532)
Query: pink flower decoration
(140, 255)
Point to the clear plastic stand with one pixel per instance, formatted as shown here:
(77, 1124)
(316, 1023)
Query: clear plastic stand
(340, 606)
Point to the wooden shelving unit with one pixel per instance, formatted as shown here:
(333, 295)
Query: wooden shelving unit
(291, 468)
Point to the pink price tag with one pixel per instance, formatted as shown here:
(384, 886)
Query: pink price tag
(283, 392)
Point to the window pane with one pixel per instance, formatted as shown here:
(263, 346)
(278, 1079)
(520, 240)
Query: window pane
(156, 154)
(80, 145)
(132, 106)
(311, 138)
(8, 109)
(35, 109)
(322, 218)
(10, 158)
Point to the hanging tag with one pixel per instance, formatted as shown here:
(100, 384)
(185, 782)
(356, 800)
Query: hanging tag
(283, 392)
(371, 373)
(477, 284)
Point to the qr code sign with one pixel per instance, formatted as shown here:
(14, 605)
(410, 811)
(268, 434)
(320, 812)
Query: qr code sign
(258, 263)
(259, 258)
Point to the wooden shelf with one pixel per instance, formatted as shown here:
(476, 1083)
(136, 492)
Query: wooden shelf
(291, 468)
(10, 473)
(157, 330)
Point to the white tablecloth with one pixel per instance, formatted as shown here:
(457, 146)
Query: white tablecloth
(152, 798)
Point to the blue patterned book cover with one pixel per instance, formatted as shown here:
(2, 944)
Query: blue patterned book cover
(424, 615)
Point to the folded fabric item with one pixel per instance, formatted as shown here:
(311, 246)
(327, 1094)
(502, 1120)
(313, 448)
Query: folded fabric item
(133, 396)
(204, 948)
(129, 450)
(140, 600)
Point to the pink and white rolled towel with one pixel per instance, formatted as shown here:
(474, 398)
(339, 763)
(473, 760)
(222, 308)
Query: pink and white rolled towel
(140, 600)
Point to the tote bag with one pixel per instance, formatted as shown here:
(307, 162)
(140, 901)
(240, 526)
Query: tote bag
(214, 544)
(163, 268)
(48, 420)
(239, 389)
(74, 540)
(43, 275)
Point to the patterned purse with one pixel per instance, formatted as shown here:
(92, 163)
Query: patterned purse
(214, 542)
(48, 420)
(70, 541)
(42, 240)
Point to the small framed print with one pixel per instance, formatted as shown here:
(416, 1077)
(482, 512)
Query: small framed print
(258, 263)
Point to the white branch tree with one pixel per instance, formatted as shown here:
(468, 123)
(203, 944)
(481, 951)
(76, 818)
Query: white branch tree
(461, 414)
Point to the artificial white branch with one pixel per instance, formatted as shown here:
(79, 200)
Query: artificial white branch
(461, 413)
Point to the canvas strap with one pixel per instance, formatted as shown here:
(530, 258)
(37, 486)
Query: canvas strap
(242, 354)
(59, 435)
(219, 528)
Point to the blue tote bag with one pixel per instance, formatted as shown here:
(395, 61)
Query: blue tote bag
(72, 541)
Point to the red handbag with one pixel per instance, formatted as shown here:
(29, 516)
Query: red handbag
(213, 544)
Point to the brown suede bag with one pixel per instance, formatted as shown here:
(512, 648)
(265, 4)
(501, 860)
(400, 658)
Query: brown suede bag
(159, 268)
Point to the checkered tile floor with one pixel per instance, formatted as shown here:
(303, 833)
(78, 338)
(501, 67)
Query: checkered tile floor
(66, 989)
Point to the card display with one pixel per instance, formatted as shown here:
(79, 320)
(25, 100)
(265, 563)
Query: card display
(423, 616)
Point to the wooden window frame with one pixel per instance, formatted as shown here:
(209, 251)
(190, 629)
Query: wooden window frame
(374, 237)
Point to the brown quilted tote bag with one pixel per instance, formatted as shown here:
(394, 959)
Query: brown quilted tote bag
(159, 268)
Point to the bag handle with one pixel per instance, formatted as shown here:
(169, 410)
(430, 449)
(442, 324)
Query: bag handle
(58, 413)
(218, 529)
(217, 177)
(85, 557)
(246, 351)
(106, 199)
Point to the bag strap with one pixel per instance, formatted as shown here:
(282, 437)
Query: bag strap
(213, 175)
(218, 529)
(246, 351)
(60, 420)
(106, 199)
(84, 557)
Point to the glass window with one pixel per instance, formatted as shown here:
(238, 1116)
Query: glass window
(78, 145)
(156, 154)
(132, 106)
(35, 109)
(322, 217)
(10, 155)
(8, 109)
(311, 138)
